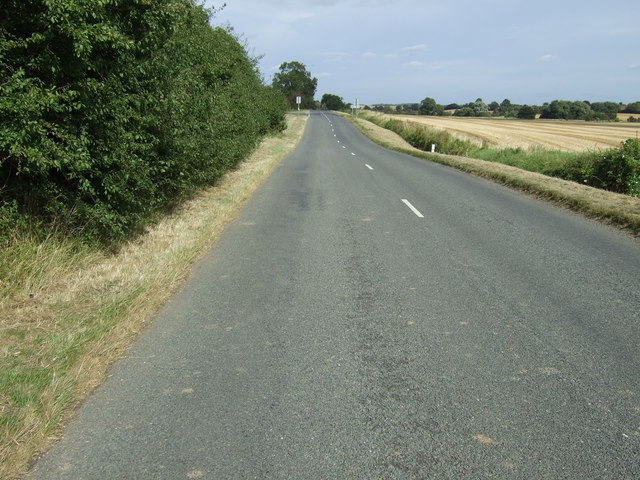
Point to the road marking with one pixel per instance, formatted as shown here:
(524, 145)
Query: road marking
(413, 209)
(368, 166)
(353, 154)
(343, 146)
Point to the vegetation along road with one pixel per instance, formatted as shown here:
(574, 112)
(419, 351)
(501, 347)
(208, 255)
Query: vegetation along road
(574, 136)
(372, 315)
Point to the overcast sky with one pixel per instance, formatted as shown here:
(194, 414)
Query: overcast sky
(401, 51)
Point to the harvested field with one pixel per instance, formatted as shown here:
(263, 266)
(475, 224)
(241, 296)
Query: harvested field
(550, 134)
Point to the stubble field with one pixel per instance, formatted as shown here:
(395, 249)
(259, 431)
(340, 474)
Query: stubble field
(561, 135)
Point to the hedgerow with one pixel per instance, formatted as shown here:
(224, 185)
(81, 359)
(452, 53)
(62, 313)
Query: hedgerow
(616, 170)
(111, 110)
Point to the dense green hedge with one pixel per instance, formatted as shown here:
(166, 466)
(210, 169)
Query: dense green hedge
(113, 109)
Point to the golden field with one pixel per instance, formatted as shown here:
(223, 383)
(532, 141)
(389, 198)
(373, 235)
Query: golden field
(569, 136)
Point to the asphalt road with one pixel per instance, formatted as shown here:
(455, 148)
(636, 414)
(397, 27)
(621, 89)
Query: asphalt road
(374, 316)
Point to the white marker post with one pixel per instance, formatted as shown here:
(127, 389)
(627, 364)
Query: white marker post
(298, 101)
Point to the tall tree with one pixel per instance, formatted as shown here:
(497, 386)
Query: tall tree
(332, 102)
(633, 107)
(527, 113)
(294, 80)
(428, 106)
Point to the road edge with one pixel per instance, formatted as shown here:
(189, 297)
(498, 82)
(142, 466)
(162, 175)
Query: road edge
(620, 211)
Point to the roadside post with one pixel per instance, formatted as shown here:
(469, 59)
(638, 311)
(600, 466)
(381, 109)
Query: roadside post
(298, 101)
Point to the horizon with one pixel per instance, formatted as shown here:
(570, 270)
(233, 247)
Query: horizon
(529, 53)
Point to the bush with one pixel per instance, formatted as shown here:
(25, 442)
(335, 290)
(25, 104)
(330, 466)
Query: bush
(619, 170)
(616, 170)
(110, 111)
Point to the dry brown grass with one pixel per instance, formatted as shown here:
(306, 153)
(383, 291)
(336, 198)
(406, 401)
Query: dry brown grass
(551, 134)
(620, 210)
(73, 313)
(625, 116)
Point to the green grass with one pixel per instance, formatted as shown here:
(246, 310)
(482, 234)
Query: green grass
(616, 170)
(69, 309)
(612, 208)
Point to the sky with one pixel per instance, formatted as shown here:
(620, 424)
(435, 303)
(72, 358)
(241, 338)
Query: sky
(455, 51)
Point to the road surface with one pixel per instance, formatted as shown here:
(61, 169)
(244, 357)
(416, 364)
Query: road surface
(370, 315)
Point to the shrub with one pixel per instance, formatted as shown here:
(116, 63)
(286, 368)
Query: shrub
(618, 170)
(112, 110)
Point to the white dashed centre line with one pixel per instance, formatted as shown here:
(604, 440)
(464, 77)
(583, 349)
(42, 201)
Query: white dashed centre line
(413, 209)
(368, 166)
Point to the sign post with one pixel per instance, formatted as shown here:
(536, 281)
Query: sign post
(298, 101)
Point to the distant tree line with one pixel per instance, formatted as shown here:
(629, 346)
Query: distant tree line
(333, 102)
(557, 109)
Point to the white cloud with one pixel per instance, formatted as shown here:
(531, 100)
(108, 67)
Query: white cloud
(414, 64)
(369, 55)
(335, 57)
(548, 58)
(294, 17)
(415, 48)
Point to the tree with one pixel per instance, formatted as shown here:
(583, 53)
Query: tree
(332, 102)
(294, 80)
(605, 110)
(566, 110)
(479, 108)
(464, 112)
(633, 108)
(527, 113)
(428, 106)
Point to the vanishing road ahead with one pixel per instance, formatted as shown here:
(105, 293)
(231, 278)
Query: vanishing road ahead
(370, 315)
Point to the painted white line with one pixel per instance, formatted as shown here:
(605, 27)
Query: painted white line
(353, 154)
(368, 166)
(343, 146)
(338, 141)
(413, 209)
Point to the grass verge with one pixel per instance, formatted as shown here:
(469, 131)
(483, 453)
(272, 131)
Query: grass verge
(614, 169)
(68, 312)
(622, 211)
